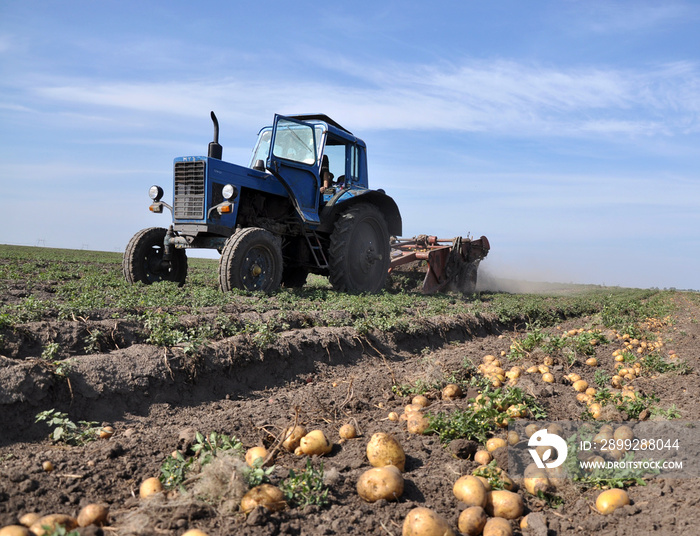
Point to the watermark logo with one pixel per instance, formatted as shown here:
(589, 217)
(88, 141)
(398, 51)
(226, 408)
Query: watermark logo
(542, 438)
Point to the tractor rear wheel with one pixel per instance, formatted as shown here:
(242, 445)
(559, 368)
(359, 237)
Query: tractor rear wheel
(143, 259)
(360, 249)
(251, 260)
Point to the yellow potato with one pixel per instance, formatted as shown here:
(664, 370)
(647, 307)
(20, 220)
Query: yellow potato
(383, 449)
(483, 457)
(106, 432)
(451, 391)
(150, 487)
(610, 500)
(47, 524)
(548, 377)
(93, 514)
(504, 503)
(29, 519)
(495, 443)
(424, 522)
(624, 432)
(497, 526)
(315, 443)
(531, 429)
(15, 530)
(255, 453)
(267, 495)
(380, 483)
(469, 490)
(348, 431)
(195, 532)
(512, 438)
(535, 480)
(580, 386)
(472, 520)
(502, 475)
(421, 400)
(417, 423)
(485, 482)
(393, 416)
(293, 435)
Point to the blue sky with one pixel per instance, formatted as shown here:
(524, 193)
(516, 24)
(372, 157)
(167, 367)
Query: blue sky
(565, 131)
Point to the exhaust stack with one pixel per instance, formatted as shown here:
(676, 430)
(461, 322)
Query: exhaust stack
(215, 150)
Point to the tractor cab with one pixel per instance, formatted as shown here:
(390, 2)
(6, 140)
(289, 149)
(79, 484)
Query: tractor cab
(314, 158)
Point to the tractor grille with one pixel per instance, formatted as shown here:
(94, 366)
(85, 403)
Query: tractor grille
(189, 190)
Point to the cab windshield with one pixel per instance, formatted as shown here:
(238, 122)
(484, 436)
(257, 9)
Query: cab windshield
(294, 142)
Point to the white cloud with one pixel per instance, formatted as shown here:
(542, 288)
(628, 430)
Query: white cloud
(500, 97)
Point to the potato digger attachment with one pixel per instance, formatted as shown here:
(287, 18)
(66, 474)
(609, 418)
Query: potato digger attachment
(451, 263)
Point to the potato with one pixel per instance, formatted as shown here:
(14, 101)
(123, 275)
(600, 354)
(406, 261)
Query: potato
(623, 432)
(267, 495)
(504, 503)
(502, 475)
(47, 524)
(495, 443)
(452, 391)
(610, 500)
(293, 435)
(150, 487)
(483, 457)
(470, 491)
(393, 416)
(472, 520)
(255, 453)
(424, 522)
(412, 408)
(47, 466)
(497, 526)
(417, 423)
(29, 519)
(485, 482)
(106, 432)
(536, 480)
(421, 400)
(15, 530)
(93, 514)
(195, 532)
(384, 449)
(531, 429)
(315, 443)
(548, 377)
(347, 431)
(580, 386)
(380, 483)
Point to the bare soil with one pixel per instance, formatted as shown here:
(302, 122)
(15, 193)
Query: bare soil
(321, 377)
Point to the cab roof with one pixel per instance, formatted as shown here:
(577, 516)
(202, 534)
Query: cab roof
(320, 117)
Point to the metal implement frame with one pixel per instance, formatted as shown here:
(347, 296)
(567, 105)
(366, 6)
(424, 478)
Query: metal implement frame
(452, 262)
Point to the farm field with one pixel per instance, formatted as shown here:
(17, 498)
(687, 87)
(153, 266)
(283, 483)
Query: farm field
(190, 379)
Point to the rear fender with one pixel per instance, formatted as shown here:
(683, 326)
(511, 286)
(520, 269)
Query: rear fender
(344, 199)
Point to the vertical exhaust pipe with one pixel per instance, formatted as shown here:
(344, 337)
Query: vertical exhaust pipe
(215, 150)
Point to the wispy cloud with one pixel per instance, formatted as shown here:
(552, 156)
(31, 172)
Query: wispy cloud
(500, 97)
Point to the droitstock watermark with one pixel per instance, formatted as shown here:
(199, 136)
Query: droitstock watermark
(583, 450)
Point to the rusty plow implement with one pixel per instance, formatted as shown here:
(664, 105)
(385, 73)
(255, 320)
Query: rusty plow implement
(452, 264)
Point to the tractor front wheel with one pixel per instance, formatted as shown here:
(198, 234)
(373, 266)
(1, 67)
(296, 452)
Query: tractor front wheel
(143, 259)
(360, 249)
(251, 260)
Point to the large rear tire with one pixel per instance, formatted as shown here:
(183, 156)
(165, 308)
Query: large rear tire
(360, 250)
(143, 259)
(251, 260)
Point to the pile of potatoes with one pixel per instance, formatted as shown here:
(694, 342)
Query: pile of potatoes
(34, 524)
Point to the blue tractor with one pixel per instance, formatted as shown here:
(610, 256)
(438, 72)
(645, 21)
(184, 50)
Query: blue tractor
(302, 206)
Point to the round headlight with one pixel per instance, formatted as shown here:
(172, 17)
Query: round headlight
(155, 193)
(229, 192)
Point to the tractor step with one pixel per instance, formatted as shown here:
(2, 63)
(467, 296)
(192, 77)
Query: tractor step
(316, 248)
